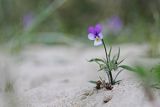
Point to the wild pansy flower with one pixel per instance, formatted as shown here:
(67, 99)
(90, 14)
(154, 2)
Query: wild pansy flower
(95, 33)
(114, 24)
(27, 19)
(108, 64)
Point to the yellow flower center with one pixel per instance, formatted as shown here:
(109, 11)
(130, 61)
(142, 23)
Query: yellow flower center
(97, 39)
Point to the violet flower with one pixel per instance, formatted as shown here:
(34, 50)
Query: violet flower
(114, 24)
(95, 33)
(27, 19)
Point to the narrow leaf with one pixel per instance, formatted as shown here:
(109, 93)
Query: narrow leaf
(127, 68)
(118, 54)
(93, 82)
(96, 60)
(109, 79)
(109, 55)
(117, 82)
(117, 74)
(120, 62)
(100, 78)
(102, 67)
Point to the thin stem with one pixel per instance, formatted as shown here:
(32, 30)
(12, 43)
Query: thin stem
(108, 76)
(105, 50)
(110, 73)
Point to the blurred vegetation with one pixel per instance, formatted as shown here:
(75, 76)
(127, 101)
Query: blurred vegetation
(150, 80)
(150, 76)
(25, 20)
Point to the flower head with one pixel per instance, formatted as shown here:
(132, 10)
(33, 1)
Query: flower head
(27, 19)
(114, 24)
(95, 33)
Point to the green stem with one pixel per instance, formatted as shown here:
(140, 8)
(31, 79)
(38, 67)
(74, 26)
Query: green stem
(110, 73)
(105, 50)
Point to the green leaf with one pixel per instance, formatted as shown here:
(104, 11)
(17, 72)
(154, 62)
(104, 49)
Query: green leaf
(100, 78)
(93, 82)
(109, 54)
(117, 74)
(157, 86)
(141, 71)
(114, 58)
(120, 62)
(138, 70)
(117, 82)
(118, 54)
(102, 67)
(96, 60)
(107, 72)
(127, 68)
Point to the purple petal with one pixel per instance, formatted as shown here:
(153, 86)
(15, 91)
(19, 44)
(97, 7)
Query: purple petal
(91, 30)
(100, 35)
(91, 36)
(98, 28)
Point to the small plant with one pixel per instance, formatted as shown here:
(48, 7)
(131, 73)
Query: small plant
(150, 78)
(109, 63)
(9, 87)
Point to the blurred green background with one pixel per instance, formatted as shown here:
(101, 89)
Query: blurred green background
(61, 21)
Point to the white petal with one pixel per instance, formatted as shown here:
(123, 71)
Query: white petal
(91, 36)
(100, 35)
(97, 42)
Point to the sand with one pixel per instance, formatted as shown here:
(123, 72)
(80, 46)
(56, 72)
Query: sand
(57, 76)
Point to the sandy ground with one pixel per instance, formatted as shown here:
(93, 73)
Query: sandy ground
(42, 76)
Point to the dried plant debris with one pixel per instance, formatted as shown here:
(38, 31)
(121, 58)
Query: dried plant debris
(103, 84)
(107, 99)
